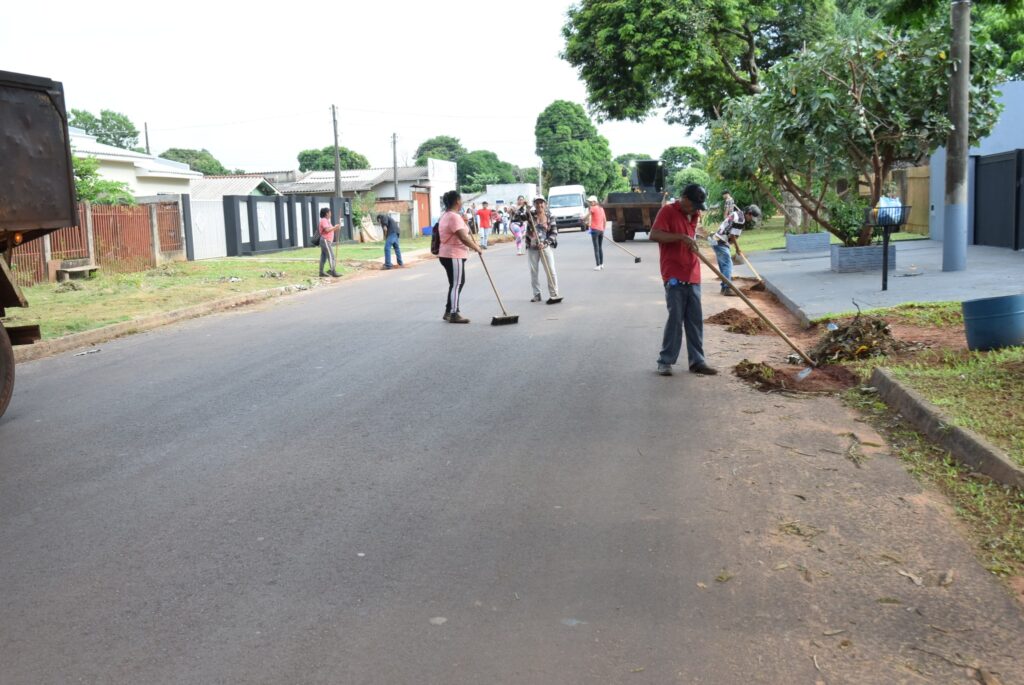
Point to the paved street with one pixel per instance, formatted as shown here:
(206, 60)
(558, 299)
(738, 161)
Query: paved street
(340, 488)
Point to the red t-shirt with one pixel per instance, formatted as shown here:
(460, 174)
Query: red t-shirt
(485, 217)
(598, 220)
(677, 260)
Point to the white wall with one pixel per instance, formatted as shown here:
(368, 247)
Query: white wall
(124, 172)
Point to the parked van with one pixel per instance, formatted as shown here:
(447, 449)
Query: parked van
(568, 206)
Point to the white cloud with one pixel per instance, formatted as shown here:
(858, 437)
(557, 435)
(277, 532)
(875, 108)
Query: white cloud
(253, 83)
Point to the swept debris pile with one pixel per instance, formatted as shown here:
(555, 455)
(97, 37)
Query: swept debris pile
(827, 379)
(863, 337)
(736, 321)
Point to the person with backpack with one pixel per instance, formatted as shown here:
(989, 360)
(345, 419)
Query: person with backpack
(453, 246)
(326, 231)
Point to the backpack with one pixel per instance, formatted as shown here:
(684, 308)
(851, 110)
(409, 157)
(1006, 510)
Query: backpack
(435, 239)
(315, 240)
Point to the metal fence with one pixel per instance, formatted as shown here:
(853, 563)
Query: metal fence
(123, 238)
(168, 221)
(29, 260)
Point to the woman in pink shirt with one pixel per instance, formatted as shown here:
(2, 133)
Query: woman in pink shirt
(455, 246)
(598, 222)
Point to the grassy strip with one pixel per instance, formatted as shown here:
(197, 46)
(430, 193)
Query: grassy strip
(982, 391)
(105, 299)
(360, 251)
(771, 235)
(993, 513)
(924, 314)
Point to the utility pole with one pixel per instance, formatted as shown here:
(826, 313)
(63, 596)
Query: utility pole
(337, 154)
(954, 234)
(145, 126)
(394, 161)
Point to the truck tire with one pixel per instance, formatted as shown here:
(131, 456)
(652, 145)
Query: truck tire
(630, 235)
(618, 233)
(6, 370)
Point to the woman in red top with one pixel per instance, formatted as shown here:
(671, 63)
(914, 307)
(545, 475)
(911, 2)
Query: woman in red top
(597, 224)
(327, 230)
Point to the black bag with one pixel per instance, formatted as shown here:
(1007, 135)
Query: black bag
(435, 239)
(315, 240)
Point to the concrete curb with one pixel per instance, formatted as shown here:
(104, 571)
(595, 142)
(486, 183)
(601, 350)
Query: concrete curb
(965, 445)
(47, 348)
(789, 304)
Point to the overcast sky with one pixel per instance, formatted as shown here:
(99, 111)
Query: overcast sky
(254, 82)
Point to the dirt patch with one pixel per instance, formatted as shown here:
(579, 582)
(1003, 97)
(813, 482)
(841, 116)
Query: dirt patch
(825, 379)
(736, 321)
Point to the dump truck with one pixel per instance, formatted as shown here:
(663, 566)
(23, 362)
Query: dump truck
(634, 212)
(37, 192)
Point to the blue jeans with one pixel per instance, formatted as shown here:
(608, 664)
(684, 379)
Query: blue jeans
(724, 262)
(392, 240)
(684, 313)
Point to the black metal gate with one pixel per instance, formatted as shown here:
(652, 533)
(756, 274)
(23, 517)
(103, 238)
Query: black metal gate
(998, 200)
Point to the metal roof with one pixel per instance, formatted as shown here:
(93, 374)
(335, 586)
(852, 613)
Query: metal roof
(352, 180)
(216, 187)
(85, 145)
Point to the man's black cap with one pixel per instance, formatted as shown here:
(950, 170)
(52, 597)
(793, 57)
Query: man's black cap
(697, 195)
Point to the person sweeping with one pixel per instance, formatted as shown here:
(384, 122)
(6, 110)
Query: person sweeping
(454, 249)
(727, 236)
(598, 221)
(541, 241)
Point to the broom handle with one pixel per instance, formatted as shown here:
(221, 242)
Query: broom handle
(747, 260)
(540, 246)
(622, 248)
(493, 287)
(750, 304)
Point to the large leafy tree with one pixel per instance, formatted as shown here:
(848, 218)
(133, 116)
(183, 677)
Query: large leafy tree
(679, 157)
(689, 56)
(573, 151)
(199, 160)
(323, 159)
(91, 187)
(110, 127)
(447, 148)
(480, 167)
(850, 108)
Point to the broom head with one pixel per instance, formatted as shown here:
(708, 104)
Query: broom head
(505, 320)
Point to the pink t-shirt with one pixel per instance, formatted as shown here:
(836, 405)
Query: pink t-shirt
(451, 246)
(326, 229)
(597, 218)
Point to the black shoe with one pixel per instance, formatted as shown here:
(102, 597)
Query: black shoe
(457, 318)
(334, 274)
(387, 267)
(323, 275)
(703, 370)
(536, 298)
(447, 316)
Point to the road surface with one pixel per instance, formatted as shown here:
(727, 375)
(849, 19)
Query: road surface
(341, 488)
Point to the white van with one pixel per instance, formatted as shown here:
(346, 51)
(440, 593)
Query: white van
(568, 206)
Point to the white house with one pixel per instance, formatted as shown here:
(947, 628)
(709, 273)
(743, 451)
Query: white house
(145, 174)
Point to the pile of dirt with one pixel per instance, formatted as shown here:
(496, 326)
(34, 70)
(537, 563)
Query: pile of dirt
(826, 379)
(736, 321)
(863, 337)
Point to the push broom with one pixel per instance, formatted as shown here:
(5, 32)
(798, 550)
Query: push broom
(636, 260)
(759, 286)
(543, 258)
(506, 318)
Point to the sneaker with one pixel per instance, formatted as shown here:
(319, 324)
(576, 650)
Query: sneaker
(447, 316)
(536, 298)
(703, 370)
(597, 268)
(664, 370)
(601, 267)
(387, 267)
(323, 275)
(334, 274)
(457, 318)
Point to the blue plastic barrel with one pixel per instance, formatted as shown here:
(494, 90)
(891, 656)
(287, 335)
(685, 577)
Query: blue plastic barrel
(427, 230)
(994, 322)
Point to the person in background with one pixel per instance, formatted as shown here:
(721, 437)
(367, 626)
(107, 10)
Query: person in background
(598, 221)
(541, 245)
(496, 222)
(728, 204)
(722, 241)
(455, 246)
(516, 224)
(675, 231)
(390, 228)
(484, 219)
(326, 230)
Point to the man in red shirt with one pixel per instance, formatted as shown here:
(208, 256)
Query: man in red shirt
(675, 231)
(484, 216)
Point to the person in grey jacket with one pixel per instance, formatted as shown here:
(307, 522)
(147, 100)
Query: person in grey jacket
(390, 228)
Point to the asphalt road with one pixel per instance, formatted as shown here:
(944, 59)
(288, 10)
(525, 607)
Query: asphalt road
(341, 488)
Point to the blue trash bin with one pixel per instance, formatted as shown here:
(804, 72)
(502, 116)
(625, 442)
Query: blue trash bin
(427, 230)
(994, 322)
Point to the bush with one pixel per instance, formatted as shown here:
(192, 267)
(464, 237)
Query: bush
(847, 217)
(685, 177)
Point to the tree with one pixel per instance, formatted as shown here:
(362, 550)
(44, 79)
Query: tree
(480, 167)
(689, 56)
(679, 157)
(573, 151)
(92, 188)
(850, 108)
(684, 177)
(445, 148)
(111, 128)
(199, 160)
(323, 159)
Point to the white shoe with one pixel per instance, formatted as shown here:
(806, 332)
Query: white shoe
(597, 268)
(602, 267)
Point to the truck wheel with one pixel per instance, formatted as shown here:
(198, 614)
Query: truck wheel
(6, 370)
(630, 235)
(618, 234)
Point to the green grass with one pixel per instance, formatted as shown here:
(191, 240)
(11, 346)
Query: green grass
(982, 391)
(114, 298)
(360, 251)
(771, 235)
(994, 513)
(925, 314)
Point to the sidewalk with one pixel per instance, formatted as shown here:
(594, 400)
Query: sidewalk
(810, 290)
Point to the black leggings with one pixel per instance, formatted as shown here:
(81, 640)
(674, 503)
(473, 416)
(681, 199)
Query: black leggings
(598, 238)
(456, 270)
